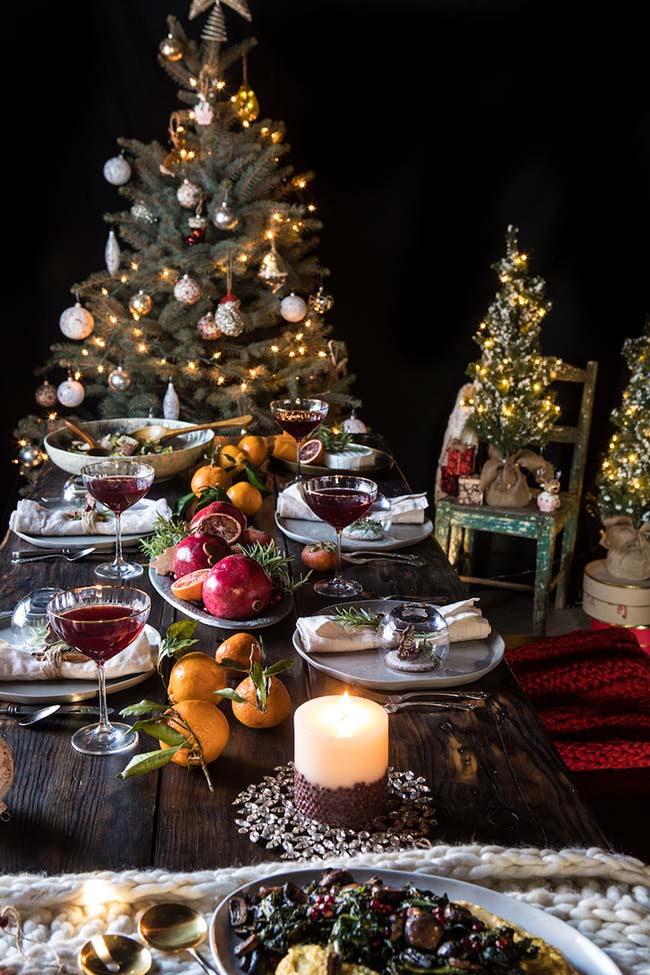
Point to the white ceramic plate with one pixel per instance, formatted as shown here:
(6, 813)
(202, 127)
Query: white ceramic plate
(195, 611)
(578, 950)
(85, 541)
(68, 691)
(399, 536)
(466, 663)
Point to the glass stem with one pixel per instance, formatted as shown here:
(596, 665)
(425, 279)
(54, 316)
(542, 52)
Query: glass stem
(104, 723)
(119, 561)
(339, 558)
(299, 469)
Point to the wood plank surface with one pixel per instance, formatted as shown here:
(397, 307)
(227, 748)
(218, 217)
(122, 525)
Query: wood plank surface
(494, 773)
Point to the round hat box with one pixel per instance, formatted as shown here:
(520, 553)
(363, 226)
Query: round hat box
(616, 602)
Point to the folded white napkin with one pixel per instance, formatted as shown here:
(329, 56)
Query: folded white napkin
(31, 518)
(322, 634)
(405, 509)
(20, 662)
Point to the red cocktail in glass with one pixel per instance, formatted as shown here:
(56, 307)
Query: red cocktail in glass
(339, 499)
(119, 484)
(100, 622)
(299, 418)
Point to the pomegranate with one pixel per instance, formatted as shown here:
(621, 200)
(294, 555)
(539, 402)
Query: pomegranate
(219, 518)
(251, 535)
(198, 551)
(237, 588)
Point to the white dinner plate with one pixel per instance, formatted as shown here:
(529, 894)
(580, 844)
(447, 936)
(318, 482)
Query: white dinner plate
(66, 691)
(466, 663)
(399, 536)
(587, 958)
(85, 541)
(195, 611)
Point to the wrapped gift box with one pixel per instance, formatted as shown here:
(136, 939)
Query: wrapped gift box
(469, 490)
(460, 459)
(448, 481)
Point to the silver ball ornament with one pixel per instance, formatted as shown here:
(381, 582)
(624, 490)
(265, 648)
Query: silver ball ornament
(188, 194)
(208, 328)
(76, 322)
(293, 308)
(30, 455)
(71, 393)
(119, 380)
(141, 211)
(140, 303)
(224, 218)
(45, 395)
(117, 171)
(187, 290)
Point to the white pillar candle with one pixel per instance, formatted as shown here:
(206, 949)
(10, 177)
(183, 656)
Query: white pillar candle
(341, 741)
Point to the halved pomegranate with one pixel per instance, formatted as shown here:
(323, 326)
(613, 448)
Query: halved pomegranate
(219, 518)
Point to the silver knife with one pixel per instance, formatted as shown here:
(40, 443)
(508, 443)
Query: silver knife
(6, 710)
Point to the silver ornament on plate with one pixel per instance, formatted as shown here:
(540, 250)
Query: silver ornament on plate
(112, 254)
(228, 316)
(197, 221)
(171, 403)
(188, 194)
(208, 328)
(30, 455)
(293, 308)
(321, 302)
(76, 322)
(141, 211)
(117, 171)
(119, 379)
(45, 395)
(353, 424)
(140, 303)
(71, 393)
(271, 270)
(224, 217)
(187, 290)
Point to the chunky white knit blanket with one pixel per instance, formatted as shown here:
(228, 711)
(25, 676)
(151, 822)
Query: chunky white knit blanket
(604, 895)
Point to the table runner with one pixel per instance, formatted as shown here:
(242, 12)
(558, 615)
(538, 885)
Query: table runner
(604, 895)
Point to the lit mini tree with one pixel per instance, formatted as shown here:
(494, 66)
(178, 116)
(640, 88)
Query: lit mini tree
(211, 279)
(513, 405)
(624, 479)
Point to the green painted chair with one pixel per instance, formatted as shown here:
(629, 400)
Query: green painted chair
(456, 523)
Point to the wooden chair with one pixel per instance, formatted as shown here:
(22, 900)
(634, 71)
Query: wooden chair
(456, 523)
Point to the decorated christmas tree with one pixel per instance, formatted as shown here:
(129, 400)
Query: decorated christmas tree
(212, 282)
(513, 405)
(624, 479)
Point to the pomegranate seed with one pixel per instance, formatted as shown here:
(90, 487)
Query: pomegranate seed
(501, 943)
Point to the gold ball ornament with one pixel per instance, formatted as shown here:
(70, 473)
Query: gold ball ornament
(76, 322)
(45, 395)
(170, 48)
(140, 304)
(246, 104)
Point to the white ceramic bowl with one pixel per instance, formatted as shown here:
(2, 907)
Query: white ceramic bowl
(166, 466)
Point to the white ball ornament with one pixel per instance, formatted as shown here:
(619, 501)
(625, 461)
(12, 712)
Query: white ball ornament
(354, 425)
(117, 171)
(76, 322)
(188, 194)
(293, 308)
(71, 393)
(187, 290)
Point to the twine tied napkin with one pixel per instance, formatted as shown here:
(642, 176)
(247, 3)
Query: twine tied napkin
(31, 518)
(407, 509)
(322, 634)
(23, 662)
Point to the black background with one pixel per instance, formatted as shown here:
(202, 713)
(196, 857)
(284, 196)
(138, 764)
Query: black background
(431, 126)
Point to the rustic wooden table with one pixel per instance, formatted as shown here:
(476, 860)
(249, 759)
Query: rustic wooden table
(495, 775)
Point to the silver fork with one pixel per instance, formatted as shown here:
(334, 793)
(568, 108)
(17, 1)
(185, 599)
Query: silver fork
(359, 558)
(68, 554)
(424, 692)
(393, 707)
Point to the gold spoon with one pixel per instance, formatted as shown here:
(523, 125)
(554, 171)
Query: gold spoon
(95, 449)
(175, 927)
(156, 433)
(115, 954)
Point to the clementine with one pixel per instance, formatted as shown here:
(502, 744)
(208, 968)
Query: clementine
(207, 724)
(255, 449)
(246, 497)
(195, 677)
(210, 475)
(238, 648)
(278, 704)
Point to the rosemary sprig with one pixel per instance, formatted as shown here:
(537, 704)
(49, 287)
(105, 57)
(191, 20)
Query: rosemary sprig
(165, 534)
(353, 616)
(276, 564)
(336, 443)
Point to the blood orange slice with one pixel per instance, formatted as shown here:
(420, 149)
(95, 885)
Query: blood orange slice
(190, 586)
(311, 452)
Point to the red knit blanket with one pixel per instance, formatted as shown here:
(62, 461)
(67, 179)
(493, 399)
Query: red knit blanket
(591, 690)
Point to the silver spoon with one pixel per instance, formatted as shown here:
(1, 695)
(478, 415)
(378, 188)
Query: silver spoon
(175, 927)
(39, 715)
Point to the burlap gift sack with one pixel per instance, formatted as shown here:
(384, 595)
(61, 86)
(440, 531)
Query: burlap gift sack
(628, 548)
(503, 481)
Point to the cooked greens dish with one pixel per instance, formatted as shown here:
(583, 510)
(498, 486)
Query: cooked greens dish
(391, 931)
(122, 445)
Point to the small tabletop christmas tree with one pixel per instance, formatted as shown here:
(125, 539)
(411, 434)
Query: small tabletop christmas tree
(513, 405)
(211, 276)
(624, 479)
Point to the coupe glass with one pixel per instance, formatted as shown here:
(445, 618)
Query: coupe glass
(300, 418)
(119, 484)
(100, 622)
(339, 499)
